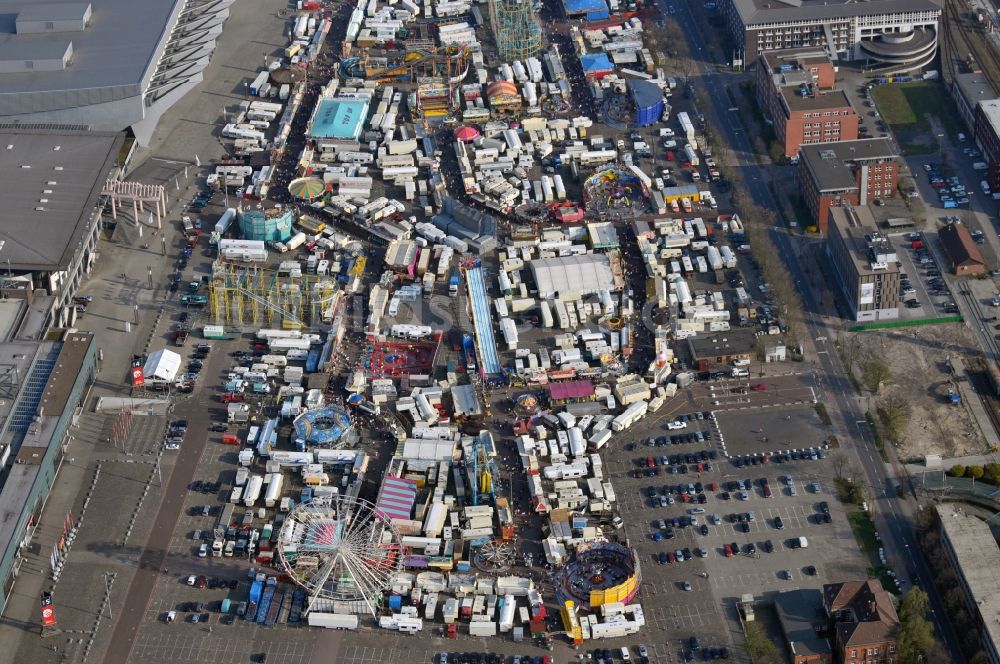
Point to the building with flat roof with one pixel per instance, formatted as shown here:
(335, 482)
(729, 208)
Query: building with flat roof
(864, 262)
(592, 10)
(105, 64)
(803, 620)
(968, 90)
(855, 172)
(41, 385)
(722, 347)
(790, 87)
(987, 133)
(338, 118)
(972, 553)
(53, 180)
(864, 621)
(964, 257)
(585, 274)
(888, 36)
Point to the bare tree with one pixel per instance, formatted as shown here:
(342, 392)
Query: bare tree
(839, 460)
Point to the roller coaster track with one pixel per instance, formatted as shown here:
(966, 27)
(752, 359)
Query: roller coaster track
(953, 50)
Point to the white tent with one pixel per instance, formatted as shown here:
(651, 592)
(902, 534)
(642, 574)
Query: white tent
(162, 364)
(585, 274)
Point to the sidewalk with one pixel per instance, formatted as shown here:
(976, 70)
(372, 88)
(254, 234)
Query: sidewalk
(78, 595)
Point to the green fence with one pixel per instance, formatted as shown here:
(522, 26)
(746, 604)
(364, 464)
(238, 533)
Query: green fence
(906, 323)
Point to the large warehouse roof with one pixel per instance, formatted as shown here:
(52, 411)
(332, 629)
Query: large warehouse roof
(589, 273)
(52, 181)
(112, 56)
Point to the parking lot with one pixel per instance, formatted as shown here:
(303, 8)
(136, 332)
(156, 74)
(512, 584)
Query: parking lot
(770, 430)
(715, 581)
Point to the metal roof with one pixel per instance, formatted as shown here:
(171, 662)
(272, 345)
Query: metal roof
(587, 273)
(52, 181)
(119, 48)
(799, 11)
(574, 7)
(595, 62)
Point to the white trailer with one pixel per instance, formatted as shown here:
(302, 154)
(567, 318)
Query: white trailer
(252, 490)
(273, 494)
(632, 414)
(482, 628)
(332, 620)
(560, 187)
(507, 613)
(599, 439)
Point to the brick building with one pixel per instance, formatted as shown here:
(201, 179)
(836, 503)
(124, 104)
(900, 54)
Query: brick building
(789, 90)
(863, 620)
(964, 257)
(855, 172)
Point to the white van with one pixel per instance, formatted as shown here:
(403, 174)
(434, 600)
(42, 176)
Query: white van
(741, 373)
(625, 656)
(742, 362)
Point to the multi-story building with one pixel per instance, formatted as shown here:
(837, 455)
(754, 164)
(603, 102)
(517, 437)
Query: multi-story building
(789, 85)
(891, 36)
(972, 552)
(855, 172)
(987, 128)
(863, 620)
(864, 262)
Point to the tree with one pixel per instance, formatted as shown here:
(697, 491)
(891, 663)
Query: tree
(975, 472)
(875, 373)
(838, 458)
(958, 470)
(895, 410)
(991, 473)
(760, 648)
(915, 639)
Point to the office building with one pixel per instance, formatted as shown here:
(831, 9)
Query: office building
(855, 172)
(888, 36)
(864, 263)
(108, 65)
(790, 90)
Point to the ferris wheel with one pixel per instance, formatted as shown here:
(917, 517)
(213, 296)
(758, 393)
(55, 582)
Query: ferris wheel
(340, 550)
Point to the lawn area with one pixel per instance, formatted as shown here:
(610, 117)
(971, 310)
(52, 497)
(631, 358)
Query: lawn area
(864, 531)
(906, 107)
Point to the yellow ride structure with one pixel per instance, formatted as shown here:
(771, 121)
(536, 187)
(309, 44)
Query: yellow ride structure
(243, 294)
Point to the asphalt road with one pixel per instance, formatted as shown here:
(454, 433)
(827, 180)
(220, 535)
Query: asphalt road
(154, 553)
(893, 518)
